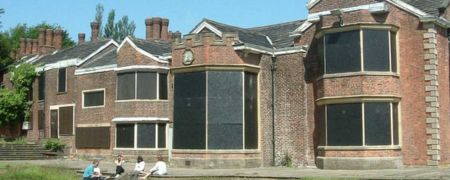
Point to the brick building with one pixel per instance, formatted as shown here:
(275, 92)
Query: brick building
(357, 85)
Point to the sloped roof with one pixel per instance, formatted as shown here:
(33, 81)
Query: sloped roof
(107, 58)
(428, 6)
(279, 33)
(79, 51)
(245, 35)
(155, 47)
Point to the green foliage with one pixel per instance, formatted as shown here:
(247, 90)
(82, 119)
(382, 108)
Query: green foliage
(24, 31)
(286, 161)
(34, 172)
(11, 140)
(14, 105)
(109, 27)
(99, 17)
(5, 49)
(117, 31)
(54, 145)
(124, 28)
(2, 11)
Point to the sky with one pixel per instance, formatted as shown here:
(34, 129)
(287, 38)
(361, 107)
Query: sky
(75, 15)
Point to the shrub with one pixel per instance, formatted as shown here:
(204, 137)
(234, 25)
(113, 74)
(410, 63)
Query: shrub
(286, 161)
(54, 145)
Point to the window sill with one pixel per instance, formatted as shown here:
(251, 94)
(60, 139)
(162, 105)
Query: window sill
(61, 93)
(358, 148)
(197, 151)
(93, 107)
(141, 100)
(140, 149)
(351, 74)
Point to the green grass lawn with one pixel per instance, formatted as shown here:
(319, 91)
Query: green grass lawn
(33, 172)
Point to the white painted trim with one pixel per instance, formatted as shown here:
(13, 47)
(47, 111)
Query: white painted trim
(140, 67)
(314, 17)
(145, 53)
(94, 125)
(408, 8)
(292, 51)
(59, 64)
(276, 53)
(270, 41)
(98, 51)
(97, 69)
(93, 90)
(138, 119)
(312, 3)
(56, 107)
(205, 24)
(301, 29)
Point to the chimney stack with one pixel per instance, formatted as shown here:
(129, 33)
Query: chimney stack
(94, 31)
(29, 44)
(48, 37)
(57, 39)
(41, 37)
(81, 38)
(22, 47)
(148, 29)
(164, 29)
(176, 35)
(157, 28)
(34, 49)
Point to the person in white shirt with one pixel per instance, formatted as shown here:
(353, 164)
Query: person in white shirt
(160, 167)
(139, 168)
(119, 165)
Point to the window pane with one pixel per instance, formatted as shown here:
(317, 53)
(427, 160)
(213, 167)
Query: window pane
(62, 80)
(66, 120)
(395, 122)
(146, 136)
(393, 52)
(225, 110)
(125, 86)
(54, 123)
(41, 94)
(251, 111)
(189, 111)
(146, 85)
(41, 119)
(161, 135)
(342, 52)
(163, 86)
(84, 139)
(125, 135)
(377, 123)
(376, 50)
(94, 98)
(344, 124)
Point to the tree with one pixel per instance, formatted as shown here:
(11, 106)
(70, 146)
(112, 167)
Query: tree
(14, 104)
(117, 31)
(5, 49)
(99, 17)
(124, 29)
(109, 27)
(2, 11)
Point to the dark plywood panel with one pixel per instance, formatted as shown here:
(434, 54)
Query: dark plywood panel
(394, 51)
(251, 111)
(344, 124)
(62, 80)
(92, 137)
(41, 119)
(146, 135)
(161, 135)
(343, 52)
(395, 123)
(163, 86)
(377, 117)
(125, 135)
(376, 50)
(126, 86)
(95, 98)
(41, 88)
(146, 85)
(66, 120)
(189, 111)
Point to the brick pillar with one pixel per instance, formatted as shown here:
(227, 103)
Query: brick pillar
(432, 94)
(94, 31)
(156, 28)
(148, 29)
(29, 44)
(48, 37)
(35, 48)
(57, 39)
(41, 37)
(164, 29)
(22, 47)
(81, 38)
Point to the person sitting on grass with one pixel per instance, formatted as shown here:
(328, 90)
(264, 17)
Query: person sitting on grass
(89, 171)
(160, 167)
(138, 169)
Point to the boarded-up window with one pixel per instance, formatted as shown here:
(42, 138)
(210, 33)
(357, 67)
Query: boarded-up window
(377, 122)
(146, 85)
(251, 111)
(163, 86)
(126, 86)
(146, 135)
(62, 80)
(66, 120)
(393, 52)
(376, 50)
(125, 135)
(94, 98)
(342, 52)
(344, 124)
(41, 119)
(41, 89)
(92, 137)
(161, 135)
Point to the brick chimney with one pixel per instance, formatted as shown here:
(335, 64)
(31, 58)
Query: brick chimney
(165, 29)
(22, 47)
(148, 29)
(157, 28)
(176, 35)
(81, 38)
(94, 31)
(35, 48)
(48, 37)
(41, 37)
(57, 39)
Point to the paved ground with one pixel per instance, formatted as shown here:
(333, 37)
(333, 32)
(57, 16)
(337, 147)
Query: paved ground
(263, 173)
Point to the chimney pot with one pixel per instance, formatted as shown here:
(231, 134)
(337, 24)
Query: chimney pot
(48, 37)
(94, 31)
(165, 29)
(148, 29)
(81, 38)
(57, 40)
(157, 28)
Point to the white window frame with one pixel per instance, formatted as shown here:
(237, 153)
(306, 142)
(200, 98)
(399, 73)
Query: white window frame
(56, 107)
(135, 124)
(135, 87)
(93, 90)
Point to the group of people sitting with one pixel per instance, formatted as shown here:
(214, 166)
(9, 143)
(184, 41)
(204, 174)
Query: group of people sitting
(92, 171)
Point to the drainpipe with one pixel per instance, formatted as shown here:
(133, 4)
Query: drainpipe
(273, 69)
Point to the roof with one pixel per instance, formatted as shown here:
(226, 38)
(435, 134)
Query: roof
(428, 6)
(79, 51)
(245, 35)
(279, 33)
(107, 58)
(154, 47)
